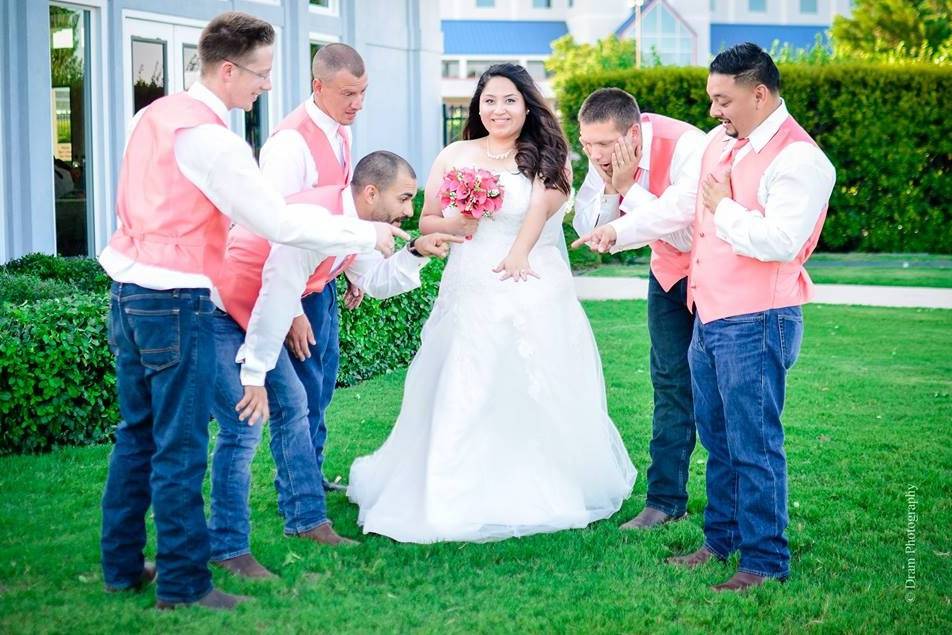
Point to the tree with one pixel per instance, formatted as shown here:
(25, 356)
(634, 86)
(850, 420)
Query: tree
(570, 58)
(918, 29)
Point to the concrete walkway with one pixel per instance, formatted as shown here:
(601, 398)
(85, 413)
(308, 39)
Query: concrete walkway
(594, 288)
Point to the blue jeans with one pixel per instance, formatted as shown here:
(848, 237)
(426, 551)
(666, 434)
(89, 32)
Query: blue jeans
(318, 372)
(300, 494)
(670, 325)
(165, 368)
(739, 371)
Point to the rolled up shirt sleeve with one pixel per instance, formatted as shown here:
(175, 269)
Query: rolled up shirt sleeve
(594, 208)
(283, 280)
(383, 278)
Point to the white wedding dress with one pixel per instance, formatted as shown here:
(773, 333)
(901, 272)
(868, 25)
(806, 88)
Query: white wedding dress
(503, 429)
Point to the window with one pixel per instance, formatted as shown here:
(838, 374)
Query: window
(485, 4)
(148, 72)
(713, 6)
(71, 129)
(451, 69)
(808, 6)
(757, 6)
(537, 70)
(256, 124)
(665, 38)
(541, 4)
(190, 65)
(475, 68)
(326, 7)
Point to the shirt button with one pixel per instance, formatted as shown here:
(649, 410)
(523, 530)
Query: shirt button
(694, 286)
(701, 234)
(698, 261)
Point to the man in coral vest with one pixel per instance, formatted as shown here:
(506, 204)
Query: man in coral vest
(184, 178)
(764, 190)
(312, 148)
(262, 296)
(641, 187)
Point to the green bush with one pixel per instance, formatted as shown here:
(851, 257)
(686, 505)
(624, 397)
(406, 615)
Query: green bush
(380, 336)
(83, 273)
(57, 379)
(885, 127)
(57, 375)
(20, 288)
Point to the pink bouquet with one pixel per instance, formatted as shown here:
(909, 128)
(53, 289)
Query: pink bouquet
(473, 191)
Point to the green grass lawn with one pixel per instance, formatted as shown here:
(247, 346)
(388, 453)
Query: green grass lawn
(868, 415)
(907, 270)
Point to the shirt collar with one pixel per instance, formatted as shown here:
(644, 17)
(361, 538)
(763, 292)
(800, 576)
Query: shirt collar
(203, 94)
(646, 137)
(321, 119)
(348, 205)
(762, 134)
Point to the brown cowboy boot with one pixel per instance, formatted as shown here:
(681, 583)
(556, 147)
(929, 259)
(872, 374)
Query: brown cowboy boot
(325, 535)
(245, 566)
(214, 599)
(693, 560)
(742, 581)
(146, 578)
(650, 518)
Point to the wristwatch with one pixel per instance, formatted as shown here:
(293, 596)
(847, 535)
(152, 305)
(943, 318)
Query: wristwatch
(411, 247)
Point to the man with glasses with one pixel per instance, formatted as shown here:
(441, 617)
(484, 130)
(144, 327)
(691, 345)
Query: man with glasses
(184, 179)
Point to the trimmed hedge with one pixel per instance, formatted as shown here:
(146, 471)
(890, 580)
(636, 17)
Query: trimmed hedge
(57, 375)
(886, 128)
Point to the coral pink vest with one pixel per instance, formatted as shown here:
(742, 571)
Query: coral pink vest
(246, 254)
(329, 169)
(667, 263)
(165, 220)
(723, 284)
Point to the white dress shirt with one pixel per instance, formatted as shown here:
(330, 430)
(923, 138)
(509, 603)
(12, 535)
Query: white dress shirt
(647, 217)
(287, 161)
(220, 164)
(793, 191)
(284, 279)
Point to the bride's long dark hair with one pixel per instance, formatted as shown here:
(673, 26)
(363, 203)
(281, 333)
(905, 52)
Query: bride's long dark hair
(541, 148)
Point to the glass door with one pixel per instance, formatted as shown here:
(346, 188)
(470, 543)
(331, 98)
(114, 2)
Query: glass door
(70, 98)
(161, 59)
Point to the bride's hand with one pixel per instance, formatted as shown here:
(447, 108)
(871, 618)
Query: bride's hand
(462, 225)
(515, 266)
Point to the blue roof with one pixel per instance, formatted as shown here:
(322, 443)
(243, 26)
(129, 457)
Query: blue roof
(500, 37)
(726, 35)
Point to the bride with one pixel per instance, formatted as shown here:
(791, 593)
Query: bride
(503, 429)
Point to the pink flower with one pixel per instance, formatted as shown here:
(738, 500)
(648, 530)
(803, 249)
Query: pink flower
(474, 191)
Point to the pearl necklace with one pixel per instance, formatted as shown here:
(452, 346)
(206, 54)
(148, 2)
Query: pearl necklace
(501, 156)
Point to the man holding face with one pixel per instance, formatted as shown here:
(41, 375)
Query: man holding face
(641, 188)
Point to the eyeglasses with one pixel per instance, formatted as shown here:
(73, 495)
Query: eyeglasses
(262, 76)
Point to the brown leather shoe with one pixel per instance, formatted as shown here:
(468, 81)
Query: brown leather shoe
(146, 578)
(245, 566)
(325, 535)
(741, 581)
(650, 518)
(214, 599)
(693, 560)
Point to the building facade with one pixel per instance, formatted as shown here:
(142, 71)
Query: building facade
(477, 33)
(75, 73)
